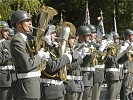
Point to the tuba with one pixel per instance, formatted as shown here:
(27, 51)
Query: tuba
(65, 29)
(46, 14)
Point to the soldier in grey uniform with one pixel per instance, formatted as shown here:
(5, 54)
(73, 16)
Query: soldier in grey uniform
(52, 87)
(112, 70)
(126, 90)
(117, 40)
(27, 85)
(6, 64)
(84, 34)
(95, 40)
(74, 84)
(99, 67)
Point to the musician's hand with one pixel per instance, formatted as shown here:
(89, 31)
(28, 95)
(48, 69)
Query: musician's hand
(76, 54)
(43, 55)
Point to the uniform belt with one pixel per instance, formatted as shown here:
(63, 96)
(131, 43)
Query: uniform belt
(87, 68)
(120, 65)
(100, 66)
(8, 67)
(51, 81)
(69, 77)
(29, 75)
(112, 70)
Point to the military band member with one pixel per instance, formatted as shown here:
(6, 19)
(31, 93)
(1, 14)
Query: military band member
(27, 85)
(94, 38)
(117, 41)
(112, 70)
(84, 34)
(74, 84)
(52, 87)
(99, 66)
(126, 90)
(6, 64)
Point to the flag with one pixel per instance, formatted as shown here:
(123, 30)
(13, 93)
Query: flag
(114, 21)
(87, 15)
(100, 28)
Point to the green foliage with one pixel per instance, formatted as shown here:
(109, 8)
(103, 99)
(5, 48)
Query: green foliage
(31, 6)
(28, 5)
(5, 11)
(74, 11)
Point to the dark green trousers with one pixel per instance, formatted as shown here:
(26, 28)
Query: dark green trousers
(96, 90)
(73, 96)
(87, 94)
(112, 90)
(4, 93)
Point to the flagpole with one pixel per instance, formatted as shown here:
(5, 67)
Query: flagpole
(87, 15)
(114, 20)
(103, 31)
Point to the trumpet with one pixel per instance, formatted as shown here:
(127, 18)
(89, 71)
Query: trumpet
(112, 48)
(130, 54)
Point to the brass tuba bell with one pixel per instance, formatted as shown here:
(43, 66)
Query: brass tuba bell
(46, 14)
(65, 29)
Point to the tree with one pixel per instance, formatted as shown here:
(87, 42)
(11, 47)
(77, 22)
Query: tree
(74, 11)
(31, 6)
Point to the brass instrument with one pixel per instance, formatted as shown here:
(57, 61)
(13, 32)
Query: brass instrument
(46, 14)
(65, 29)
(113, 49)
(65, 24)
(130, 54)
(95, 55)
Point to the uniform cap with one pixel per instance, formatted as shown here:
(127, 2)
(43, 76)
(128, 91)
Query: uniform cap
(128, 32)
(83, 30)
(114, 34)
(93, 28)
(4, 25)
(19, 16)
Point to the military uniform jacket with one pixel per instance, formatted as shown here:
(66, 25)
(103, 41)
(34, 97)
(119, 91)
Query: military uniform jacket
(24, 63)
(87, 75)
(5, 58)
(99, 72)
(73, 85)
(53, 66)
(112, 62)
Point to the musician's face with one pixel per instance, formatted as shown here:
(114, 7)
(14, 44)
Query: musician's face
(117, 40)
(71, 41)
(81, 38)
(131, 37)
(5, 34)
(53, 36)
(87, 38)
(26, 24)
(93, 35)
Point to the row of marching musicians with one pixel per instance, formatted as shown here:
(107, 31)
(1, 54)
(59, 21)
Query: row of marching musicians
(89, 62)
